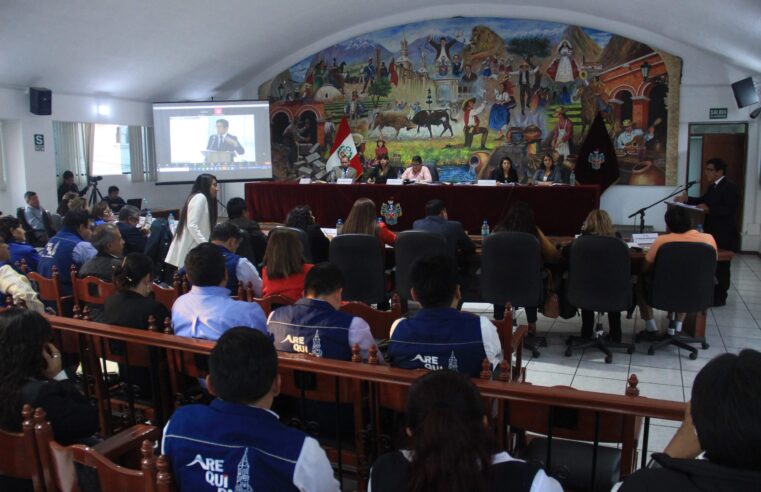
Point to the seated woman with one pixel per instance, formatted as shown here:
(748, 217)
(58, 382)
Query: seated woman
(284, 267)
(505, 172)
(382, 171)
(102, 214)
(13, 234)
(520, 218)
(451, 447)
(362, 220)
(15, 284)
(549, 173)
(301, 217)
(63, 205)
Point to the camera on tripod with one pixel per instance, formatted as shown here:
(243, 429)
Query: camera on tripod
(94, 179)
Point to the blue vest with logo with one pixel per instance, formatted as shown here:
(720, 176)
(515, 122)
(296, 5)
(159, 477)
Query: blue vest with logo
(238, 447)
(440, 338)
(58, 251)
(231, 263)
(311, 326)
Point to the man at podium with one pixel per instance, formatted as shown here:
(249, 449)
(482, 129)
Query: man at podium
(222, 141)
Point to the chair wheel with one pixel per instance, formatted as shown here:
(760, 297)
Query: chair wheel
(536, 354)
(693, 355)
(568, 352)
(608, 359)
(651, 350)
(704, 345)
(569, 341)
(630, 350)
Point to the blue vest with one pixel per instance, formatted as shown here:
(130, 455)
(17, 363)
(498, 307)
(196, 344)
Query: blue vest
(23, 251)
(311, 326)
(441, 338)
(58, 251)
(237, 447)
(231, 263)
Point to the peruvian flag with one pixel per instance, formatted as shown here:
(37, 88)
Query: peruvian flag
(344, 145)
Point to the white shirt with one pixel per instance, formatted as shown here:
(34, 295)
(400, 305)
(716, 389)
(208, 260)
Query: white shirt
(17, 285)
(246, 272)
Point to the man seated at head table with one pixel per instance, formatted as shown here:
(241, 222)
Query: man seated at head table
(439, 336)
(342, 171)
(315, 325)
(417, 171)
(207, 311)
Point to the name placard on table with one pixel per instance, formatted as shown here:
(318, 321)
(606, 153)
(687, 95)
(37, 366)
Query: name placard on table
(305, 181)
(394, 181)
(487, 182)
(344, 181)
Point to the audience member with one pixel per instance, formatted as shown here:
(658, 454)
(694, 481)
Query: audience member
(439, 336)
(505, 172)
(13, 234)
(437, 220)
(70, 246)
(107, 240)
(78, 202)
(342, 171)
(315, 325)
(721, 423)
(549, 173)
(417, 171)
(33, 213)
(207, 310)
(114, 201)
(257, 241)
(16, 285)
(451, 446)
(382, 171)
(133, 303)
(284, 266)
(241, 436)
(301, 217)
(101, 214)
(362, 220)
(68, 185)
(197, 218)
(680, 229)
(227, 238)
(134, 237)
(63, 203)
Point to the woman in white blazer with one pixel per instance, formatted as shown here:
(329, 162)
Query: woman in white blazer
(197, 218)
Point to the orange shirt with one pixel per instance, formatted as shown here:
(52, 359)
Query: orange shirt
(291, 287)
(691, 236)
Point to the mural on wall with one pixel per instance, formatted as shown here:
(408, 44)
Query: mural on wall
(464, 92)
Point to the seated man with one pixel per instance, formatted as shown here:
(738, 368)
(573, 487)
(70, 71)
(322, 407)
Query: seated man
(237, 442)
(134, 238)
(257, 241)
(342, 171)
(70, 246)
(207, 311)
(417, 171)
(680, 227)
(315, 325)
(439, 336)
(107, 240)
(721, 423)
(33, 213)
(227, 238)
(13, 234)
(115, 202)
(437, 220)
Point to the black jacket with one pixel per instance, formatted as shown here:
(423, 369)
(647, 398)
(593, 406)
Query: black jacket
(129, 309)
(457, 240)
(721, 220)
(134, 240)
(101, 266)
(691, 475)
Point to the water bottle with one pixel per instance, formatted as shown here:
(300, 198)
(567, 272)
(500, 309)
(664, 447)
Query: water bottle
(380, 221)
(145, 203)
(172, 223)
(484, 229)
(148, 217)
(339, 226)
(572, 180)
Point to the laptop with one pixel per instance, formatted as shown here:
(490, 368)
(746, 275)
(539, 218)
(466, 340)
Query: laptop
(135, 202)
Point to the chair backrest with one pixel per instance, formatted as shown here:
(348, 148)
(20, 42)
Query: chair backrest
(166, 296)
(683, 277)
(49, 289)
(599, 274)
(434, 172)
(307, 250)
(511, 269)
(380, 321)
(411, 245)
(18, 452)
(21, 216)
(91, 290)
(47, 223)
(360, 259)
(270, 303)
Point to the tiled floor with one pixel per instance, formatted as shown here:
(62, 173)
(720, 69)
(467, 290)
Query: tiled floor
(669, 373)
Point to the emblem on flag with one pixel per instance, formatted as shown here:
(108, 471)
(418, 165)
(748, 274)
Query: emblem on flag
(596, 159)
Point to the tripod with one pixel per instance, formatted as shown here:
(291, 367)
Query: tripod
(95, 195)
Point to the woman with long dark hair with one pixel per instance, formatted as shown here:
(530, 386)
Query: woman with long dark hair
(197, 219)
(301, 217)
(451, 448)
(284, 266)
(505, 172)
(31, 372)
(548, 173)
(362, 220)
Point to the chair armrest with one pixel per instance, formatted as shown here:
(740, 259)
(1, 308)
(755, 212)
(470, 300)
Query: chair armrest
(517, 343)
(127, 440)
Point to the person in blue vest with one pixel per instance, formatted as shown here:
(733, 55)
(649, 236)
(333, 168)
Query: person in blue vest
(227, 237)
(240, 444)
(439, 336)
(314, 324)
(207, 311)
(70, 246)
(13, 234)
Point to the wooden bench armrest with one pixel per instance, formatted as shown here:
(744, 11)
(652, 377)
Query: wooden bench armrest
(517, 338)
(127, 440)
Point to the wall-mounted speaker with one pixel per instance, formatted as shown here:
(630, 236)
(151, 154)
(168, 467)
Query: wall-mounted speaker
(40, 101)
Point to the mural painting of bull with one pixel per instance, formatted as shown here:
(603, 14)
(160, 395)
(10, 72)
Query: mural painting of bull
(433, 118)
(393, 119)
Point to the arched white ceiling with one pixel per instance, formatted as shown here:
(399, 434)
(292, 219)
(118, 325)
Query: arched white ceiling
(192, 49)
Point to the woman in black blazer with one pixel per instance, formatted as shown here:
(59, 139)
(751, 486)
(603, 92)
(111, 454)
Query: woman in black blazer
(505, 172)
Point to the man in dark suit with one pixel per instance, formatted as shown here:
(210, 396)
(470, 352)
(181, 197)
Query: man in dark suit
(134, 238)
(437, 220)
(720, 203)
(223, 141)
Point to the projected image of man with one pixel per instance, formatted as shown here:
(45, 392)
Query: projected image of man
(223, 141)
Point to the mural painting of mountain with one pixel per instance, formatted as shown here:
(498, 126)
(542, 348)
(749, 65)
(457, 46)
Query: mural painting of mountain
(464, 92)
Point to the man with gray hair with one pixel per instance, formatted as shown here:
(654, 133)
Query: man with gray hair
(108, 241)
(134, 238)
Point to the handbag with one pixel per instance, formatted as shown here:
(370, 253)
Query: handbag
(551, 307)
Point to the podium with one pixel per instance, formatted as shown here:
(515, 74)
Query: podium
(697, 214)
(218, 156)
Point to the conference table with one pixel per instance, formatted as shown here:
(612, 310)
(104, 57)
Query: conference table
(559, 210)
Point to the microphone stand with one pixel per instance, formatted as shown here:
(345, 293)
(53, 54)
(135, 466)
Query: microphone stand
(641, 212)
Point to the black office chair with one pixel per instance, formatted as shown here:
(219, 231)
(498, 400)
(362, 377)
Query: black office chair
(307, 250)
(409, 246)
(33, 237)
(511, 271)
(682, 282)
(599, 279)
(360, 259)
(434, 172)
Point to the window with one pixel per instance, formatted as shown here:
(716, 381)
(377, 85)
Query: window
(2, 159)
(111, 154)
